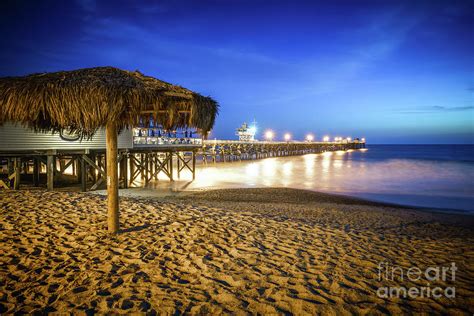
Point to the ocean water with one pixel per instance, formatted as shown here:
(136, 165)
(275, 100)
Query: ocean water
(434, 176)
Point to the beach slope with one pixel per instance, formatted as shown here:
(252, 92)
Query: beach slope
(228, 251)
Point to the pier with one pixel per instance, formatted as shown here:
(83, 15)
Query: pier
(230, 150)
(87, 167)
(143, 163)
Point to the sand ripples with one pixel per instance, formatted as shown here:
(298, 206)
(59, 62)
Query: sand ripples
(185, 258)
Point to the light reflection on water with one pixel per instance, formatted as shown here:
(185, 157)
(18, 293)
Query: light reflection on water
(442, 184)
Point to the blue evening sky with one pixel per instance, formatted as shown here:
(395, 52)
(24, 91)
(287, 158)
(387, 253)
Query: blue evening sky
(390, 71)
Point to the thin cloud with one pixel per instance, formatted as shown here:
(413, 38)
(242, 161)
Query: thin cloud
(436, 109)
(106, 28)
(386, 33)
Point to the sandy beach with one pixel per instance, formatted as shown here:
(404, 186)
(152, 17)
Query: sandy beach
(242, 251)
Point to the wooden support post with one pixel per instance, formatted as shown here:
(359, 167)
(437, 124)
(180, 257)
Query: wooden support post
(74, 166)
(178, 163)
(62, 166)
(171, 165)
(146, 164)
(194, 164)
(157, 166)
(36, 171)
(56, 174)
(100, 165)
(142, 171)
(26, 167)
(50, 172)
(124, 169)
(17, 168)
(10, 166)
(78, 169)
(112, 178)
(92, 171)
(132, 169)
(151, 164)
(82, 170)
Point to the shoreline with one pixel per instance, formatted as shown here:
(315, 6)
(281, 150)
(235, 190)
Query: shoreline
(166, 192)
(145, 192)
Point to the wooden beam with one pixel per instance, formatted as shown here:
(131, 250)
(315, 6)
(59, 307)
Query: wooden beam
(4, 185)
(124, 169)
(11, 169)
(64, 165)
(194, 165)
(171, 167)
(132, 169)
(178, 159)
(50, 172)
(146, 163)
(162, 165)
(82, 170)
(97, 184)
(94, 165)
(112, 178)
(36, 171)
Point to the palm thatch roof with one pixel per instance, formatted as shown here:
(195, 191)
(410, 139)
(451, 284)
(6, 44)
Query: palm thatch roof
(84, 100)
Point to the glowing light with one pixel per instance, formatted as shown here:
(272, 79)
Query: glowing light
(363, 139)
(326, 163)
(269, 135)
(287, 136)
(349, 139)
(252, 171)
(336, 139)
(310, 163)
(269, 168)
(287, 168)
(309, 137)
(326, 139)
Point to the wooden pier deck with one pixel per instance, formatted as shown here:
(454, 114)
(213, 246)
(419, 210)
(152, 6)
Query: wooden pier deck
(142, 163)
(229, 150)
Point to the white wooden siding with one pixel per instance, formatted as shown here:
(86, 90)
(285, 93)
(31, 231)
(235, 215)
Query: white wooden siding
(15, 137)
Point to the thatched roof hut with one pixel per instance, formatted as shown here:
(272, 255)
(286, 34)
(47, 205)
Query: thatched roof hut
(85, 100)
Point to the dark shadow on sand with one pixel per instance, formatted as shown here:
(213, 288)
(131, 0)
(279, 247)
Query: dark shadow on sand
(135, 228)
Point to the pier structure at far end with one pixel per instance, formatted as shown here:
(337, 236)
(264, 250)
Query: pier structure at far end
(230, 150)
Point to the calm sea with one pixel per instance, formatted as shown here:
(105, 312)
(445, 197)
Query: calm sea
(435, 176)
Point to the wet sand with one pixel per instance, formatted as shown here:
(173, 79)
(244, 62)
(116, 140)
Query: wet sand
(229, 251)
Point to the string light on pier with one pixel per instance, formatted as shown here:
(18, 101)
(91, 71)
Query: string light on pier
(287, 137)
(326, 139)
(309, 137)
(269, 135)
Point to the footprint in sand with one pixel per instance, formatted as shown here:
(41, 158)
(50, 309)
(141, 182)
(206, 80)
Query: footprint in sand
(127, 304)
(53, 288)
(79, 289)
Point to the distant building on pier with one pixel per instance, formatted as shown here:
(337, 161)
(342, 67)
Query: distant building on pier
(247, 133)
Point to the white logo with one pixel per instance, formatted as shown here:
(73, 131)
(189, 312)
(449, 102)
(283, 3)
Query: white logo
(395, 273)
